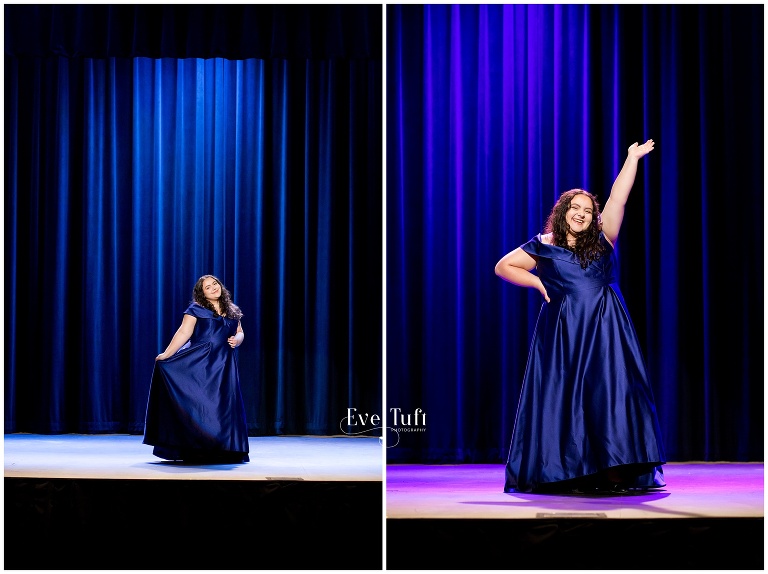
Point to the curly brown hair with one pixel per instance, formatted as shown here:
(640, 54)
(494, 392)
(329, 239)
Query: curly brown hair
(228, 307)
(588, 246)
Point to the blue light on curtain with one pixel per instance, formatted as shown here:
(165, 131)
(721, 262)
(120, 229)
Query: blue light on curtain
(128, 178)
(492, 112)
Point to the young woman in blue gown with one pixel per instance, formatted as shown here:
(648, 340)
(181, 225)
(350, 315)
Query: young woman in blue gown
(195, 411)
(586, 419)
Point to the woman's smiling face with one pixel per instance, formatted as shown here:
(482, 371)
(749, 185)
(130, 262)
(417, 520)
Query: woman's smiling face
(211, 289)
(579, 215)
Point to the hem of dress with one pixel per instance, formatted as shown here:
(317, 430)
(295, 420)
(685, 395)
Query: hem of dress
(641, 477)
(199, 456)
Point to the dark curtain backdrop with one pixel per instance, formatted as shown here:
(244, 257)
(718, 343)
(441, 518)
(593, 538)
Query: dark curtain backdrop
(492, 112)
(148, 145)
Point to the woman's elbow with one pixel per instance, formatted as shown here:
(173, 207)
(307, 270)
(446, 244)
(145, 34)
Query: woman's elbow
(499, 269)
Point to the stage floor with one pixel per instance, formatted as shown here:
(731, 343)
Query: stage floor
(694, 490)
(62, 489)
(105, 502)
(709, 516)
(306, 458)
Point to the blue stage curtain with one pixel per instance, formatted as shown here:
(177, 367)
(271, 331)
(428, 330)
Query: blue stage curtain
(492, 112)
(126, 178)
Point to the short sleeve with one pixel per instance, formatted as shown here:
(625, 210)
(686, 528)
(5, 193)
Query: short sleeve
(534, 246)
(198, 311)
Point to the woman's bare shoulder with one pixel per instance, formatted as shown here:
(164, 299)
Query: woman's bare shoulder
(546, 238)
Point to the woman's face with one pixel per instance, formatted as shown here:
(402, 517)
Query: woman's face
(579, 214)
(211, 289)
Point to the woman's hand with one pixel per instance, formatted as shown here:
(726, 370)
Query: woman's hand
(237, 338)
(543, 291)
(161, 357)
(638, 151)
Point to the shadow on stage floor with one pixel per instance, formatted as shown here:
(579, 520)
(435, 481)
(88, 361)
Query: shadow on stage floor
(457, 517)
(105, 502)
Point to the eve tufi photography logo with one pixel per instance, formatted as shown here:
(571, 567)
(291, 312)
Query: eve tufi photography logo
(359, 423)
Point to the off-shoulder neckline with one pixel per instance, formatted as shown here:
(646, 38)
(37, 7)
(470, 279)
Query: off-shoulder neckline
(541, 236)
(211, 312)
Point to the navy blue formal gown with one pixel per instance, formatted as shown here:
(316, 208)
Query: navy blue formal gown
(586, 404)
(195, 410)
